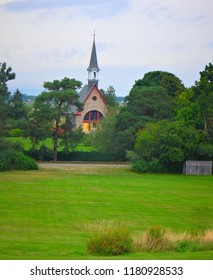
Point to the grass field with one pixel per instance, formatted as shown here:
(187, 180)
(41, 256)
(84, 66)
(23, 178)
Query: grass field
(48, 142)
(46, 214)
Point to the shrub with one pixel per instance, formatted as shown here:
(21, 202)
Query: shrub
(142, 166)
(110, 238)
(187, 246)
(16, 132)
(5, 161)
(45, 154)
(23, 162)
(11, 159)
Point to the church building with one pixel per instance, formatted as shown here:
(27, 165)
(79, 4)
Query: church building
(95, 106)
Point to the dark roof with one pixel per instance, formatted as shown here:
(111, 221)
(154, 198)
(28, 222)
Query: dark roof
(83, 93)
(93, 59)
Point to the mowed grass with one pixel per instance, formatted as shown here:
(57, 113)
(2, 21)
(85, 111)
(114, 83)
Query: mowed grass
(46, 214)
(48, 142)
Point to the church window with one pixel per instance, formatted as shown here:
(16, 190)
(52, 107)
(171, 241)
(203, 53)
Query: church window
(94, 98)
(94, 75)
(93, 116)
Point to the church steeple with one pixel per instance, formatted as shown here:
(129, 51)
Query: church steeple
(93, 68)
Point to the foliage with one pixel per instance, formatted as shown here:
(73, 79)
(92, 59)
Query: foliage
(46, 154)
(103, 137)
(168, 81)
(195, 105)
(165, 146)
(11, 159)
(16, 132)
(5, 161)
(6, 75)
(18, 108)
(110, 238)
(109, 96)
(54, 108)
(71, 138)
(151, 99)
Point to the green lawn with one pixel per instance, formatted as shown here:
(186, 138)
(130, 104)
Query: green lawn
(26, 144)
(46, 214)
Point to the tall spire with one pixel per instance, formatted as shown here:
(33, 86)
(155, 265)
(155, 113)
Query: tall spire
(93, 68)
(93, 65)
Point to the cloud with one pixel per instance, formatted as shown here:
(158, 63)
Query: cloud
(49, 39)
(99, 8)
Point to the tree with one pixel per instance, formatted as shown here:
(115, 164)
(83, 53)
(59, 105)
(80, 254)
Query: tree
(103, 137)
(10, 157)
(6, 75)
(59, 100)
(172, 84)
(40, 123)
(167, 145)
(204, 97)
(18, 108)
(195, 105)
(109, 96)
(151, 99)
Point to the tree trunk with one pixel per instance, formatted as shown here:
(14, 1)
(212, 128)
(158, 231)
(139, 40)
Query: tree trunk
(55, 141)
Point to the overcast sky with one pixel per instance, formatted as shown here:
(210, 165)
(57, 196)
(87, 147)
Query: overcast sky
(44, 40)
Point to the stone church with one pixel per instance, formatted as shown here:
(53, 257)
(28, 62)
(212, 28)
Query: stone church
(95, 106)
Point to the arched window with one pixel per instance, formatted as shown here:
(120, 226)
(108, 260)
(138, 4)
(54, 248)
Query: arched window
(94, 75)
(93, 116)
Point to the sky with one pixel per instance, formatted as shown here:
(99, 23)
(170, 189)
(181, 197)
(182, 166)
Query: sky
(45, 40)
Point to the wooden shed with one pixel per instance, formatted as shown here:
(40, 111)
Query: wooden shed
(195, 167)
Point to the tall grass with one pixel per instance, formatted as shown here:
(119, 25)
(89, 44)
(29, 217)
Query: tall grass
(109, 238)
(156, 239)
(114, 238)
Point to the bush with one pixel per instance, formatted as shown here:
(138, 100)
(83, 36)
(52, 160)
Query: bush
(45, 154)
(5, 161)
(11, 159)
(187, 246)
(110, 238)
(23, 162)
(16, 132)
(142, 166)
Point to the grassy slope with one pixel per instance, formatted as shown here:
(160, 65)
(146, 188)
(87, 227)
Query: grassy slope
(45, 214)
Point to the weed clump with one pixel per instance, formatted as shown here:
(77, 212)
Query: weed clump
(109, 238)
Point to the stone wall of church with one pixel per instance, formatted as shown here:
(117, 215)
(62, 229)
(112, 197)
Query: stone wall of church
(95, 102)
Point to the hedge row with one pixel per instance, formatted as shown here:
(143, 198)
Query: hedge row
(45, 154)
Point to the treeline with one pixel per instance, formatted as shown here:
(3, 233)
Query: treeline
(162, 123)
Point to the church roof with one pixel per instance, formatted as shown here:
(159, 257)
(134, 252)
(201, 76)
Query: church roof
(83, 94)
(93, 59)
